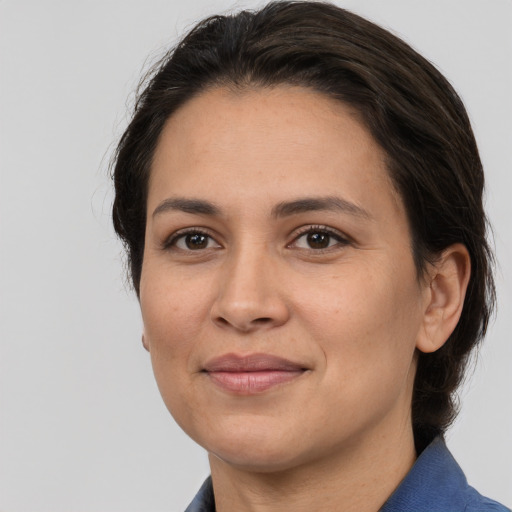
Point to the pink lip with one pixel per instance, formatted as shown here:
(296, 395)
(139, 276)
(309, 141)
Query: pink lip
(251, 374)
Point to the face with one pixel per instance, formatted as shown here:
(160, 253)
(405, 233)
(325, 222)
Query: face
(280, 301)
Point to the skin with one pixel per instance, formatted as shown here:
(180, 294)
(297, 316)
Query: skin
(352, 314)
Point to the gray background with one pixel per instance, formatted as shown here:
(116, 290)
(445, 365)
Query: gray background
(82, 427)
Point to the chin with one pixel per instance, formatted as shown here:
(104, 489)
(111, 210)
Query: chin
(258, 459)
(257, 450)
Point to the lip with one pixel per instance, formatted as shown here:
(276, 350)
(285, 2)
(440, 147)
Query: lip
(251, 374)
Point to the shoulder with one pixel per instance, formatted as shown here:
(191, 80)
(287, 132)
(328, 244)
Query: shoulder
(478, 503)
(437, 483)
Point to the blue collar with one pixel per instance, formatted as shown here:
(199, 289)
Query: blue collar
(435, 483)
(203, 500)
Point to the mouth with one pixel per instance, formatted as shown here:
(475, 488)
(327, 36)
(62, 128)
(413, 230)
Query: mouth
(252, 374)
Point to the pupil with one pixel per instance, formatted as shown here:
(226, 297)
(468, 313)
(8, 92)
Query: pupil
(196, 241)
(318, 240)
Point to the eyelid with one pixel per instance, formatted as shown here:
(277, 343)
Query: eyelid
(343, 239)
(170, 241)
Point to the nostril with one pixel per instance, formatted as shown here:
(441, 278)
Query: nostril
(244, 326)
(263, 320)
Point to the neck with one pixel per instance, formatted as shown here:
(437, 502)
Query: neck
(359, 478)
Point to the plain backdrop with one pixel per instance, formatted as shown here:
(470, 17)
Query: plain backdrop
(82, 426)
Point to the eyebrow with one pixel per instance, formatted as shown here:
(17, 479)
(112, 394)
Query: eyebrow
(194, 206)
(284, 209)
(310, 204)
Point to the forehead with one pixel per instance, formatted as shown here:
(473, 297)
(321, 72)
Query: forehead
(277, 143)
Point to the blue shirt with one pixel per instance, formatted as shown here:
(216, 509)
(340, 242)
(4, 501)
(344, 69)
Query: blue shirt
(435, 483)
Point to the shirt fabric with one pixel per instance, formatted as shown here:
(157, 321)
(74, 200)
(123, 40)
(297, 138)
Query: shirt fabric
(435, 483)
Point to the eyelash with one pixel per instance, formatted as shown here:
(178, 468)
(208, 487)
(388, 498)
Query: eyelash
(171, 242)
(341, 240)
(333, 234)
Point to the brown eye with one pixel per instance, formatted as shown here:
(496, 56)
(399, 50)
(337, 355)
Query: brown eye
(196, 241)
(318, 240)
(193, 241)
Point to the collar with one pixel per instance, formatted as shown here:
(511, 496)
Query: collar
(436, 482)
(203, 500)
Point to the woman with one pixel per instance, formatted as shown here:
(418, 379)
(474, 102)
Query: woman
(300, 195)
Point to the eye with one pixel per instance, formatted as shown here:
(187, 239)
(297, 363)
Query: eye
(318, 238)
(192, 241)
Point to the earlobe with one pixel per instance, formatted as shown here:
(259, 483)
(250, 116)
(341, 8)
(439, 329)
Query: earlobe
(449, 278)
(145, 344)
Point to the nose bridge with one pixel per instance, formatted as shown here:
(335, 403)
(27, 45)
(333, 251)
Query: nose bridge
(249, 294)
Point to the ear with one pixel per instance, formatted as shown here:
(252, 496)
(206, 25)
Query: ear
(448, 278)
(145, 344)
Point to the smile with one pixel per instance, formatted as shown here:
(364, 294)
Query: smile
(256, 373)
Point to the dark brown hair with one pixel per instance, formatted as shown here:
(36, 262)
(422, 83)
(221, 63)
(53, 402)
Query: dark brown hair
(408, 106)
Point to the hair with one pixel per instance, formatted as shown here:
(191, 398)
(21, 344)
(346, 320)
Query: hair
(410, 109)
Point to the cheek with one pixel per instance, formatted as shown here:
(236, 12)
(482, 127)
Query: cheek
(170, 306)
(171, 313)
(366, 322)
(172, 326)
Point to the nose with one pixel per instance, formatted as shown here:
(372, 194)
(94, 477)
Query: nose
(250, 293)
